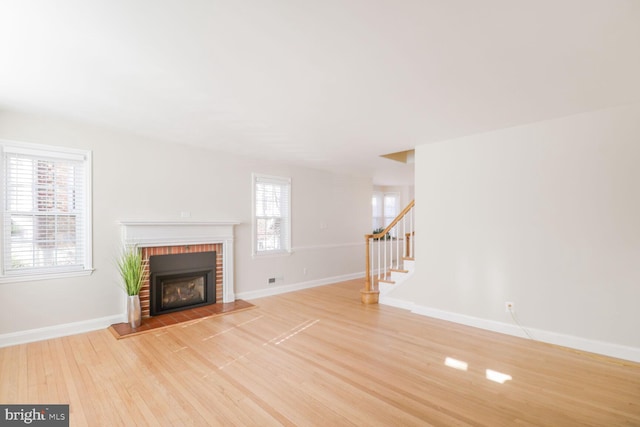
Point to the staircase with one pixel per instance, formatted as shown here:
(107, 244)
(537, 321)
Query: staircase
(389, 256)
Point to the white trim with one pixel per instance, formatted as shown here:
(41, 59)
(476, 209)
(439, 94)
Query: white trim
(29, 148)
(88, 210)
(278, 180)
(271, 254)
(175, 233)
(394, 302)
(167, 233)
(564, 340)
(46, 276)
(228, 288)
(49, 332)
(277, 290)
(56, 152)
(324, 247)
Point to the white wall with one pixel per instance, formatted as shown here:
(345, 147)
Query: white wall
(406, 192)
(136, 178)
(545, 215)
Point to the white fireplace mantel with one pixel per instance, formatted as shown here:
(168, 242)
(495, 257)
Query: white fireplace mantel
(174, 233)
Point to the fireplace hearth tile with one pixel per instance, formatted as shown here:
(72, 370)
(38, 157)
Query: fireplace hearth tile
(180, 316)
(123, 330)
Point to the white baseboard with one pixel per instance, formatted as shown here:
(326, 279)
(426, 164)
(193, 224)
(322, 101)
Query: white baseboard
(277, 290)
(39, 334)
(394, 302)
(570, 341)
(32, 335)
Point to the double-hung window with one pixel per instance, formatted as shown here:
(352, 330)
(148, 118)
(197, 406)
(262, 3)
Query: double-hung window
(46, 230)
(271, 214)
(391, 207)
(385, 208)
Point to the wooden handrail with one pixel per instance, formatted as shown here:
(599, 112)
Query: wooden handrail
(393, 223)
(369, 295)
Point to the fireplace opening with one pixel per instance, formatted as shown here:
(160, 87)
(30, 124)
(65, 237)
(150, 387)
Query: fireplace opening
(181, 281)
(182, 290)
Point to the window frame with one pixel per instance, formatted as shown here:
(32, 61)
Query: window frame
(47, 152)
(379, 219)
(285, 247)
(387, 219)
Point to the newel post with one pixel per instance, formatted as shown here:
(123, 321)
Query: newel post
(368, 294)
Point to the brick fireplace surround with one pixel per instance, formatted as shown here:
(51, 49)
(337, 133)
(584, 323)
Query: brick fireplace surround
(164, 238)
(145, 292)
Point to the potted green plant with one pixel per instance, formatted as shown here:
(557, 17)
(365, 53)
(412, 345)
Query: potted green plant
(131, 268)
(380, 230)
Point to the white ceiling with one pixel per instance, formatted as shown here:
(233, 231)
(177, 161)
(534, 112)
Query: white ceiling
(330, 84)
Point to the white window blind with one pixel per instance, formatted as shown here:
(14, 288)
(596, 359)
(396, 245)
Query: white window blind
(46, 220)
(272, 214)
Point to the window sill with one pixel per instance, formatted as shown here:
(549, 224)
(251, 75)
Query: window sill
(271, 254)
(44, 276)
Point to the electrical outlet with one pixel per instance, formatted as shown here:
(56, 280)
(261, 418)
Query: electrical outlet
(509, 307)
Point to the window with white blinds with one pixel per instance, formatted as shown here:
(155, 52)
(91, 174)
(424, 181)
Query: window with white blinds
(271, 214)
(46, 219)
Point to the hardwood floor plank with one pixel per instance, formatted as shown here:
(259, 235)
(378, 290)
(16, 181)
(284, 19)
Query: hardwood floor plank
(320, 357)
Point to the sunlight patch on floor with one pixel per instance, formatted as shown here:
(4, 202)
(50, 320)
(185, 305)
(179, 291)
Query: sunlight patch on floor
(232, 328)
(456, 364)
(292, 332)
(498, 377)
(491, 375)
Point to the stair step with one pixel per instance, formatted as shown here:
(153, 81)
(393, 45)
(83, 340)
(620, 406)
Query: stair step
(395, 270)
(408, 258)
(391, 282)
(409, 264)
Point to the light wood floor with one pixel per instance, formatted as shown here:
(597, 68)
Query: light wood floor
(319, 357)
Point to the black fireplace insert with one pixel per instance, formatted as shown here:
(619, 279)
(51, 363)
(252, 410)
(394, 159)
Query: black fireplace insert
(181, 281)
